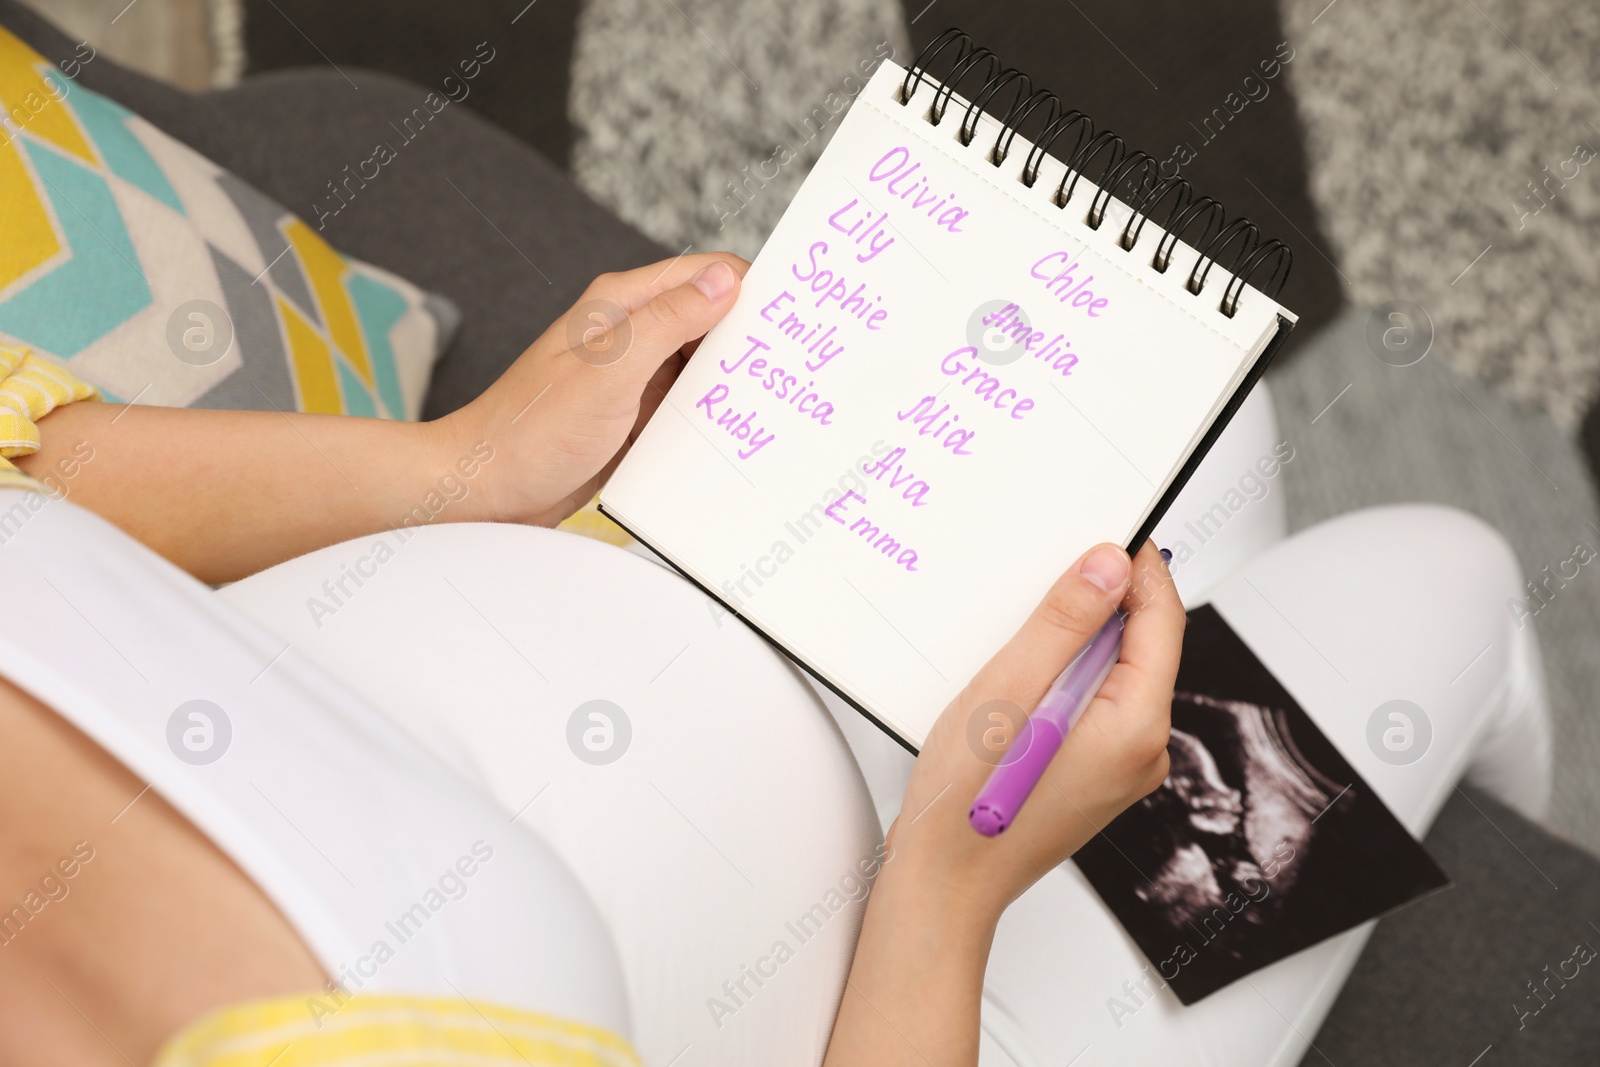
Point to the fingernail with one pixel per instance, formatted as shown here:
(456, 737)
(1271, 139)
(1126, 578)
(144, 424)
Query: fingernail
(1166, 555)
(1106, 568)
(716, 280)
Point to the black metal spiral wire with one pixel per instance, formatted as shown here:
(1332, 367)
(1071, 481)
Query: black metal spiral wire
(1133, 170)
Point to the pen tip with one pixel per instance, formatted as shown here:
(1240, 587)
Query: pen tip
(986, 820)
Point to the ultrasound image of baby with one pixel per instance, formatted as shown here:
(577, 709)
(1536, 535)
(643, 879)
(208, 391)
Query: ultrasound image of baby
(1262, 840)
(1233, 819)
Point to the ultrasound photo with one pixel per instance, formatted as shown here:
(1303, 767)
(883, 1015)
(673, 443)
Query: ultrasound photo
(1261, 842)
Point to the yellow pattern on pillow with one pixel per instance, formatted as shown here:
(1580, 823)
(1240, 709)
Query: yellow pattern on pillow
(163, 279)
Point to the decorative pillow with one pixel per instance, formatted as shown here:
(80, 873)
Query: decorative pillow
(160, 278)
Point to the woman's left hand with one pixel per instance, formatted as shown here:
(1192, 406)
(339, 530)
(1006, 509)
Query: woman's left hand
(223, 494)
(562, 416)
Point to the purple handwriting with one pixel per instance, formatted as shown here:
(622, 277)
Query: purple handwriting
(832, 287)
(911, 487)
(780, 383)
(870, 532)
(1053, 354)
(898, 172)
(1065, 285)
(794, 328)
(931, 422)
(849, 219)
(984, 386)
(728, 419)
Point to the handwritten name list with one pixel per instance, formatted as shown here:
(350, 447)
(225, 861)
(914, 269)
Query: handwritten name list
(775, 392)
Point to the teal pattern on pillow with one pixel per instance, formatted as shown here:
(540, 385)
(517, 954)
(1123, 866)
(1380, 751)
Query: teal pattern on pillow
(160, 278)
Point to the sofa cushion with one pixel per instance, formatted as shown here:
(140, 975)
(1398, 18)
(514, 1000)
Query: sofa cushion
(1501, 968)
(161, 278)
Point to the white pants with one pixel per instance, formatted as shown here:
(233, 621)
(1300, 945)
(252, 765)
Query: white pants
(723, 847)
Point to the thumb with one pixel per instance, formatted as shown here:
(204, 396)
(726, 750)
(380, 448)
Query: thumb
(645, 338)
(1070, 614)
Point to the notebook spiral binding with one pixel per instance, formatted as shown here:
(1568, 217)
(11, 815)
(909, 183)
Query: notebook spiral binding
(1133, 170)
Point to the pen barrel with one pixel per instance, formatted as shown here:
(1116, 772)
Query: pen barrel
(1015, 776)
(1041, 735)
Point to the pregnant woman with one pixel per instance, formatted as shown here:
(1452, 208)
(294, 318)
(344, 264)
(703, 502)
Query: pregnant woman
(429, 782)
(235, 857)
(488, 793)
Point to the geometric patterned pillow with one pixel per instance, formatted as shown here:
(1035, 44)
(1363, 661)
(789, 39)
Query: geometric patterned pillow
(160, 278)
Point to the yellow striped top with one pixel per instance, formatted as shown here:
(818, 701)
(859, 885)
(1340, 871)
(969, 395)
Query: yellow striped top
(389, 1030)
(30, 388)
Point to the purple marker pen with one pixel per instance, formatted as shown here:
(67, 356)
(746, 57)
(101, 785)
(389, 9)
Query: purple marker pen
(1041, 735)
(1024, 763)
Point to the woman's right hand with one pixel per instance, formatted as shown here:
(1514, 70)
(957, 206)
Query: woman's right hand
(1114, 755)
(917, 978)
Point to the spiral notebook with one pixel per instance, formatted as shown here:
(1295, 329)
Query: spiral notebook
(958, 362)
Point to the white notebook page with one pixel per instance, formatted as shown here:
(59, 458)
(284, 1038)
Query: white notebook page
(876, 479)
